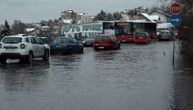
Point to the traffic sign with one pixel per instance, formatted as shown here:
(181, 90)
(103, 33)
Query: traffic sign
(175, 20)
(175, 8)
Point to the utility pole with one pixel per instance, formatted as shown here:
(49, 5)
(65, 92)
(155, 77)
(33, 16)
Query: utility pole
(173, 58)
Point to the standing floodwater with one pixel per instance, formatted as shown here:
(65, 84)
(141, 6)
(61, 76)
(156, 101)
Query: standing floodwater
(136, 77)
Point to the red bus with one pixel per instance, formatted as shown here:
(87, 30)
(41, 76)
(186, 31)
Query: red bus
(124, 31)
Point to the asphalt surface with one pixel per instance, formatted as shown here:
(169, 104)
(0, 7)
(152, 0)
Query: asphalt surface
(136, 77)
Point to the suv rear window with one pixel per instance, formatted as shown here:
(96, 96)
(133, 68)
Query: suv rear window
(12, 40)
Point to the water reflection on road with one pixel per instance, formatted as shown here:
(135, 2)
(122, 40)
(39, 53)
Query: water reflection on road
(136, 77)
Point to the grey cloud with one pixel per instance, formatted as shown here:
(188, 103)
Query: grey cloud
(33, 10)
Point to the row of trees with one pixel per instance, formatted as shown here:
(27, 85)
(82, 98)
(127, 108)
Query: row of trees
(14, 29)
(6, 29)
(104, 16)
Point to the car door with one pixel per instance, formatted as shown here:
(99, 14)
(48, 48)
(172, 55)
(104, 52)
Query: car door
(40, 46)
(36, 48)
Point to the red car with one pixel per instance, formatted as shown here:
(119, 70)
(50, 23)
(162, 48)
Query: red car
(142, 37)
(125, 38)
(106, 42)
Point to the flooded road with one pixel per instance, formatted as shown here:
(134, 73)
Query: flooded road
(136, 77)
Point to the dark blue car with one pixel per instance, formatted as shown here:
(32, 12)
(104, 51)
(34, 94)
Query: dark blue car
(65, 45)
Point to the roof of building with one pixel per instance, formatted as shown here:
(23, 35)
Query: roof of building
(161, 12)
(154, 17)
(30, 29)
(147, 17)
(67, 20)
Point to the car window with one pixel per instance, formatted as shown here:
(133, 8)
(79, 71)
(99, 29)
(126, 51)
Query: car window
(27, 40)
(33, 41)
(63, 40)
(72, 41)
(57, 40)
(38, 41)
(164, 33)
(12, 40)
(103, 37)
(141, 34)
(90, 37)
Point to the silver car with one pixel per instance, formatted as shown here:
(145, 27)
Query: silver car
(165, 35)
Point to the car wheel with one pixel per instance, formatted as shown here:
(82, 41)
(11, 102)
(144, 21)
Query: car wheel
(52, 53)
(22, 60)
(46, 55)
(82, 50)
(119, 46)
(30, 58)
(96, 49)
(69, 50)
(3, 61)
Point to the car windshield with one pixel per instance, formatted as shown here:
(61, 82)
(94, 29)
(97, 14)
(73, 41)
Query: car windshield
(12, 40)
(164, 33)
(59, 40)
(141, 34)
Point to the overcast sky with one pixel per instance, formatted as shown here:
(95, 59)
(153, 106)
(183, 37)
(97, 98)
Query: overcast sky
(37, 10)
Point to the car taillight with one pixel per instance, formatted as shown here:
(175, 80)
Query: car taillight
(22, 46)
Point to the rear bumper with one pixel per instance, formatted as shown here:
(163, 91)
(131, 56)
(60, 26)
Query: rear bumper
(12, 56)
(164, 38)
(141, 41)
(103, 46)
(59, 50)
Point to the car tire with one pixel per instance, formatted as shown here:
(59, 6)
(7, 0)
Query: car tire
(96, 49)
(46, 55)
(52, 53)
(22, 60)
(82, 50)
(29, 58)
(3, 60)
(119, 46)
(69, 51)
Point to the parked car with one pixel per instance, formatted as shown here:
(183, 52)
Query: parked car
(106, 42)
(142, 37)
(88, 42)
(24, 48)
(66, 45)
(165, 35)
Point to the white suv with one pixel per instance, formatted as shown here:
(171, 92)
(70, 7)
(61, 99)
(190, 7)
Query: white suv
(24, 48)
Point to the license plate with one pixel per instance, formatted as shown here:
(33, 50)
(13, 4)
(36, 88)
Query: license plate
(10, 49)
(124, 40)
(101, 47)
